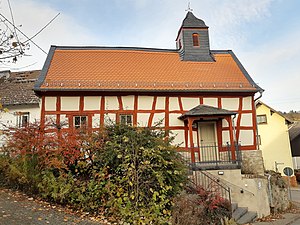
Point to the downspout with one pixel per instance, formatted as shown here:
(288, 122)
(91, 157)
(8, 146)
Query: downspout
(270, 190)
(233, 124)
(260, 95)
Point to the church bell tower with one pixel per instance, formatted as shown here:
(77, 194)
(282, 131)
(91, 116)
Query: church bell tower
(193, 41)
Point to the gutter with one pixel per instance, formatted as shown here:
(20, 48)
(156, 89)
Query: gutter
(260, 95)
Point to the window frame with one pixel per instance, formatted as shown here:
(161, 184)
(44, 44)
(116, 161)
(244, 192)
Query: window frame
(83, 121)
(21, 121)
(259, 121)
(196, 40)
(126, 122)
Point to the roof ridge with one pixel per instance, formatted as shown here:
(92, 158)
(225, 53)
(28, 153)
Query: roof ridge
(113, 48)
(69, 47)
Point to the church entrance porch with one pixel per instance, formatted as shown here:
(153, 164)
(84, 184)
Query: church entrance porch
(206, 150)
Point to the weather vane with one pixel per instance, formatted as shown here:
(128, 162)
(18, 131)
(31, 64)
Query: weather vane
(189, 9)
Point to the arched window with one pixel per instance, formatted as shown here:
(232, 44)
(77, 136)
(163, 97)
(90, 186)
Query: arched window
(196, 39)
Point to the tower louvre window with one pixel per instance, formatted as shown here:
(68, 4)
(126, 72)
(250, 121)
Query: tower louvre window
(196, 40)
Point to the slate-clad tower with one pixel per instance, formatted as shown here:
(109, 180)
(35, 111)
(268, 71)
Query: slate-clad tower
(193, 41)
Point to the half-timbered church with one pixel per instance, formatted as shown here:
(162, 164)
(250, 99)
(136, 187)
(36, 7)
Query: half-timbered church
(205, 97)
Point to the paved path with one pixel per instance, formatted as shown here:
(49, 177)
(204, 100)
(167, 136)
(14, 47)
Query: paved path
(18, 209)
(295, 192)
(289, 218)
(296, 222)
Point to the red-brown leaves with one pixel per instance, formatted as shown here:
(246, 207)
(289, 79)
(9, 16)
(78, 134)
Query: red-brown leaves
(54, 149)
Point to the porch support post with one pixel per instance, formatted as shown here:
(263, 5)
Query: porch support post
(190, 125)
(232, 145)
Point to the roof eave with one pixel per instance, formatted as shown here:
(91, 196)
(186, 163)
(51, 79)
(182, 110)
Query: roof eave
(146, 90)
(45, 69)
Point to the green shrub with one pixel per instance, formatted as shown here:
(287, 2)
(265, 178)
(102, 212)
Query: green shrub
(131, 173)
(19, 173)
(145, 173)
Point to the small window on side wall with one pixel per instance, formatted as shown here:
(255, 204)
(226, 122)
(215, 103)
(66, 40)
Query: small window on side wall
(261, 119)
(126, 119)
(80, 122)
(22, 119)
(196, 40)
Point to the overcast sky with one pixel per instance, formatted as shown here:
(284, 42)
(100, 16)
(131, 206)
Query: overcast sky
(264, 34)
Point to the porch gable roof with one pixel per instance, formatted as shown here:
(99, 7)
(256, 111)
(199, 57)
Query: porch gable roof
(205, 110)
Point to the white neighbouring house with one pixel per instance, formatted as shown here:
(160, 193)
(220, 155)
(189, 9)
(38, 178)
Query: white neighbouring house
(18, 97)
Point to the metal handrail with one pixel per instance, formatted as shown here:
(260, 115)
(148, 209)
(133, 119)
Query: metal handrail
(212, 184)
(213, 154)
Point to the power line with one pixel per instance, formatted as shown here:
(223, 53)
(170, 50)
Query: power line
(13, 21)
(22, 33)
(43, 28)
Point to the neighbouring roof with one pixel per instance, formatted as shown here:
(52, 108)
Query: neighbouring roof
(190, 21)
(294, 131)
(259, 103)
(140, 69)
(205, 110)
(17, 89)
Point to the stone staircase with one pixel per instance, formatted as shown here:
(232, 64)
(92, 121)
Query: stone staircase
(241, 214)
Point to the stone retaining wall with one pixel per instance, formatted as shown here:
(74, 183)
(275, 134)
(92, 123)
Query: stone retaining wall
(252, 162)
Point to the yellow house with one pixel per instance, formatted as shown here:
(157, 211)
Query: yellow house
(273, 138)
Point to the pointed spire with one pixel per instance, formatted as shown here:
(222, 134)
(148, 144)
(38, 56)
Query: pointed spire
(192, 21)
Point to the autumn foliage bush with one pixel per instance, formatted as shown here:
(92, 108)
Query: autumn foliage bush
(129, 173)
(198, 206)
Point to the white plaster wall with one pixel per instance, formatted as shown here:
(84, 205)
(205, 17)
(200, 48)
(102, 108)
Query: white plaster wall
(64, 121)
(142, 119)
(157, 118)
(189, 103)
(255, 194)
(160, 103)
(225, 123)
(70, 103)
(195, 137)
(92, 102)
(230, 103)
(50, 119)
(179, 137)
(96, 121)
(225, 136)
(246, 137)
(210, 102)
(296, 162)
(128, 102)
(173, 103)
(9, 119)
(111, 103)
(145, 102)
(247, 103)
(50, 103)
(109, 118)
(246, 119)
(174, 121)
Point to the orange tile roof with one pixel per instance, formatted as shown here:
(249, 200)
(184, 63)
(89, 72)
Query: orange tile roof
(136, 69)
